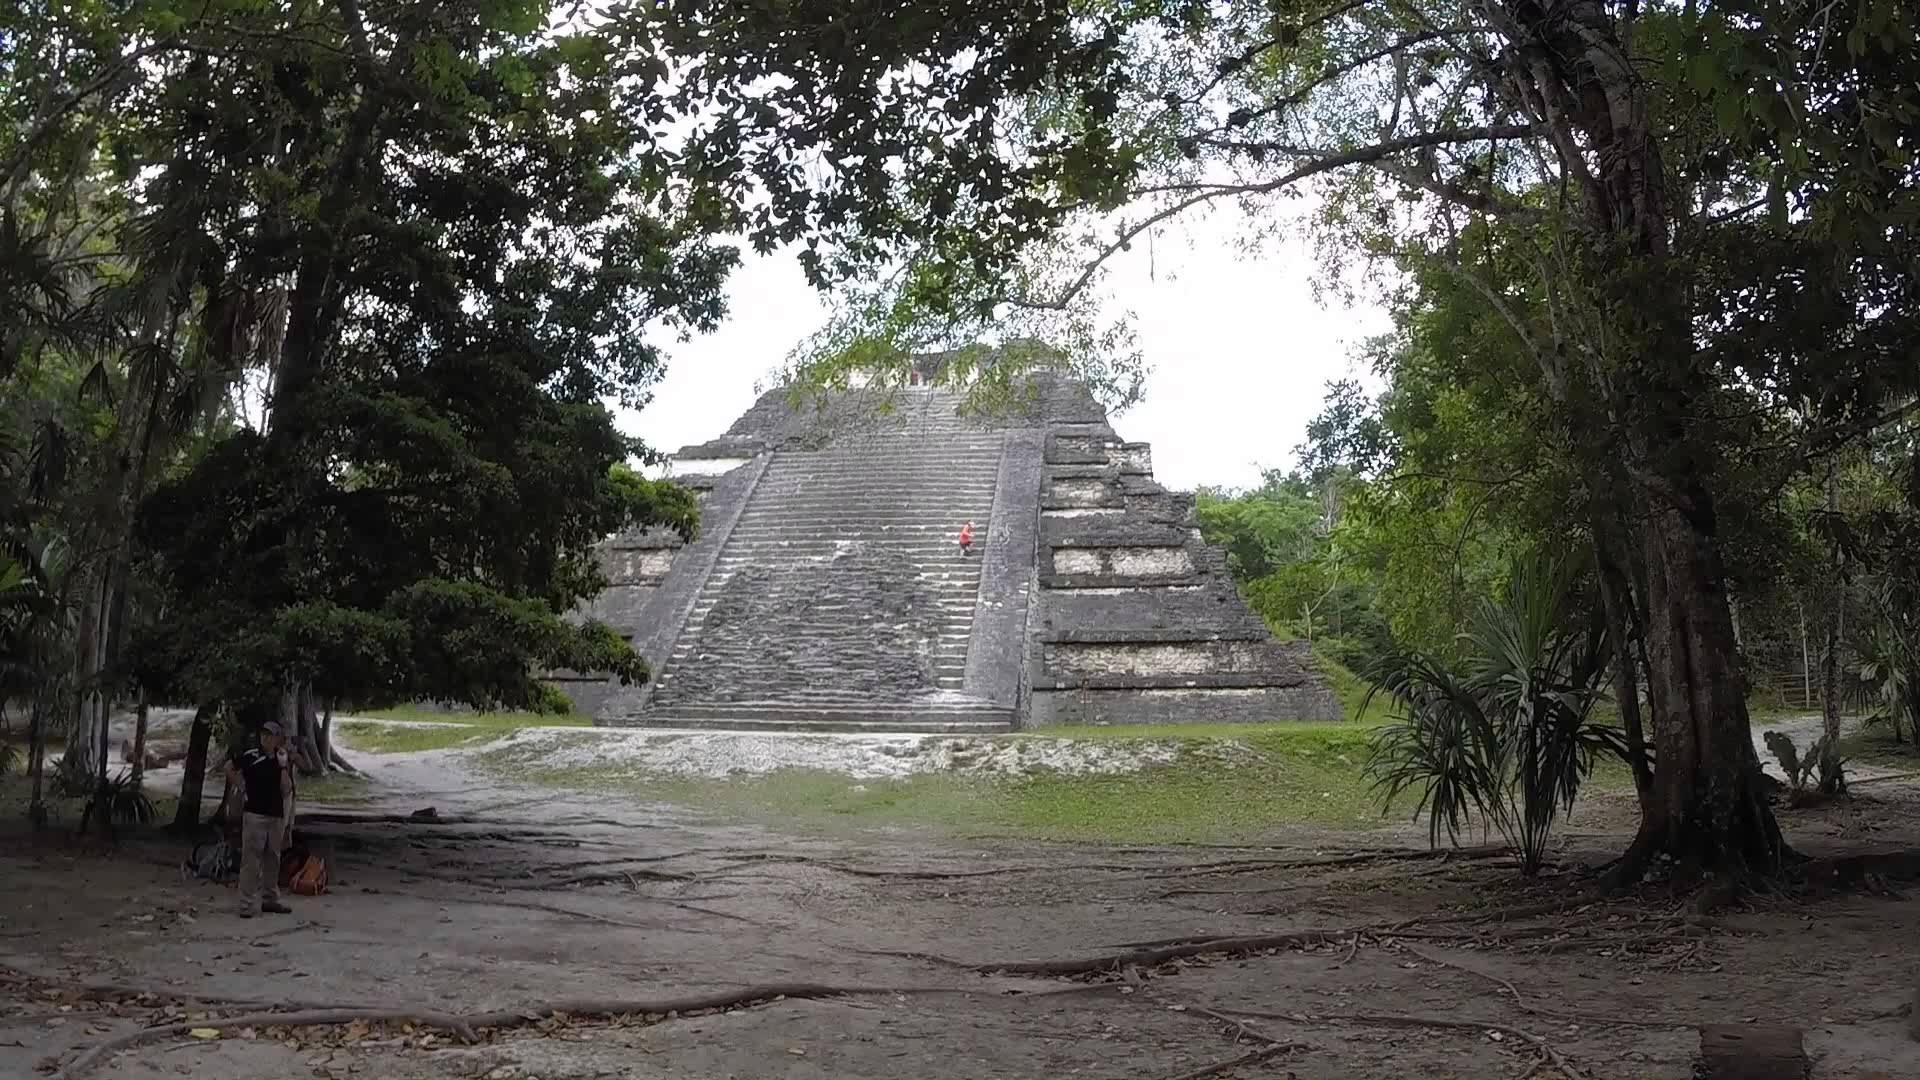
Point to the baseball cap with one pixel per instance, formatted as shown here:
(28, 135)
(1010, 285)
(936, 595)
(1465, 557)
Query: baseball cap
(272, 727)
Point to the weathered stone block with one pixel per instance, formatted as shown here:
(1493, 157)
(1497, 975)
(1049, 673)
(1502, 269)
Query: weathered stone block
(1161, 561)
(1155, 658)
(1078, 492)
(1182, 706)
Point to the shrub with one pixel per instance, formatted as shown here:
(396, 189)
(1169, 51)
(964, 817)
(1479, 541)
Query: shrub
(1508, 735)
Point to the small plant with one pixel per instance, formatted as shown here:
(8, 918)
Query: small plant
(9, 758)
(71, 778)
(1510, 737)
(1800, 771)
(125, 802)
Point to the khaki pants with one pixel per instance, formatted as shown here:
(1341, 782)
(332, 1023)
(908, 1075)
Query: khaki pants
(261, 838)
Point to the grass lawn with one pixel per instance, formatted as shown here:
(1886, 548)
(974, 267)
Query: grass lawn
(334, 788)
(452, 728)
(1228, 782)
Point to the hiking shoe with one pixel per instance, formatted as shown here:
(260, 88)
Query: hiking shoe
(246, 913)
(276, 907)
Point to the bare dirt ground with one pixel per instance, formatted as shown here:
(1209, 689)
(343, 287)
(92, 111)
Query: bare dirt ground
(513, 901)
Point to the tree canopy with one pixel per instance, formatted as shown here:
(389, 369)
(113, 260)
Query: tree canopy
(1626, 198)
(313, 314)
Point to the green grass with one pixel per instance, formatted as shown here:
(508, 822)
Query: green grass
(1351, 689)
(503, 720)
(395, 739)
(334, 788)
(452, 728)
(1875, 746)
(1228, 782)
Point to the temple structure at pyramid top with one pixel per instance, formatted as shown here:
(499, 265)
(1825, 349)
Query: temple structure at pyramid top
(828, 591)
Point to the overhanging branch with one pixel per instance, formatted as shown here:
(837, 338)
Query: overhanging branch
(1328, 162)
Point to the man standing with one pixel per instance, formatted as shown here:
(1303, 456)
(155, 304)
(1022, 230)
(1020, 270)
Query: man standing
(261, 774)
(966, 538)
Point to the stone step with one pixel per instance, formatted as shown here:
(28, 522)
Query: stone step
(900, 502)
(909, 458)
(886, 522)
(875, 717)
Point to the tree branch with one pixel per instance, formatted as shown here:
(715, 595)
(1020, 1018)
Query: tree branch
(112, 73)
(1339, 70)
(1479, 201)
(1327, 163)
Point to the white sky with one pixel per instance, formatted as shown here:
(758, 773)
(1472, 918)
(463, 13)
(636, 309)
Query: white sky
(1240, 351)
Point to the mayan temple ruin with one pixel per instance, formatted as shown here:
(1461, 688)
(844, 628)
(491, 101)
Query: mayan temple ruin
(827, 591)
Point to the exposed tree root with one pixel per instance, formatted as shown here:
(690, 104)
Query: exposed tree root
(471, 1026)
(1249, 866)
(1227, 1066)
(1537, 1042)
(1520, 1000)
(878, 873)
(1145, 957)
(1881, 779)
(603, 877)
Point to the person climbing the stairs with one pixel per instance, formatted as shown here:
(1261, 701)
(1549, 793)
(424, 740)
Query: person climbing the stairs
(966, 538)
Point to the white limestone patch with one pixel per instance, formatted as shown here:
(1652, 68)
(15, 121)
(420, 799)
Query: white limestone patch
(1126, 561)
(716, 754)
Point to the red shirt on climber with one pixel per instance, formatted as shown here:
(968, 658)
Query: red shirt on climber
(966, 538)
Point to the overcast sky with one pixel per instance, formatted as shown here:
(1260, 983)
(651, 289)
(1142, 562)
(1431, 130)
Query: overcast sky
(1240, 351)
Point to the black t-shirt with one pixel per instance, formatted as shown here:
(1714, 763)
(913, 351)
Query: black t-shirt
(260, 771)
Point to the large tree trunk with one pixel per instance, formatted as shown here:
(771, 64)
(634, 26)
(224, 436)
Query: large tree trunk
(1570, 67)
(193, 780)
(1709, 811)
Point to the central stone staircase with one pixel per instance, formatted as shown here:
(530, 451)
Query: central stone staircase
(840, 601)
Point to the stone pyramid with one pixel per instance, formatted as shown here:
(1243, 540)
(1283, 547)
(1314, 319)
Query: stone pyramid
(827, 590)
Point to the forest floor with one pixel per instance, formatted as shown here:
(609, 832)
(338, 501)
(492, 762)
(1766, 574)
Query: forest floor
(1308, 951)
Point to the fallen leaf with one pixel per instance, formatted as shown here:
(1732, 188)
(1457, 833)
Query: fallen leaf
(205, 1033)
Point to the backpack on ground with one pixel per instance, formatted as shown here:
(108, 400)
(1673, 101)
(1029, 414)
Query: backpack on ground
(303, 871)
(215, 860)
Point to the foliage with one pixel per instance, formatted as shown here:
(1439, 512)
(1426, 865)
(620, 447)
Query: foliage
(314, 314)
(1800, 771)
(121, 801)
(1509, 739)
(10, 758)
(1884, 680)
(73, 777)
(1672, 243)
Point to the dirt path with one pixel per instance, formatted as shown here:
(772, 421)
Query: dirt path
(516, 897)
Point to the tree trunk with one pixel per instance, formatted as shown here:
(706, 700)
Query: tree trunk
(193, 780)
(323, 743)
(1709, 811)
(1616, 596)
(37, 753)
(140, 740)
(1832, 780)
(102, 802)
(81, 728)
